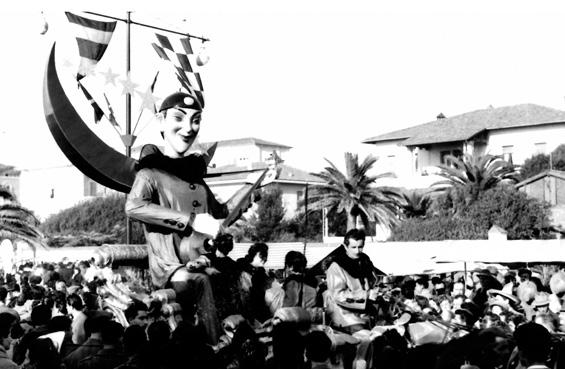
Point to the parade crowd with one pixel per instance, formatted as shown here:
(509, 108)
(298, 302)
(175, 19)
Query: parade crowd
(67, 315)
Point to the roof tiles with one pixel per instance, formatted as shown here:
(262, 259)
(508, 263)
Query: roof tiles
(464, 126)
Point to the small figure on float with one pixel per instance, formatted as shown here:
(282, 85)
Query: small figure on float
(167, 195)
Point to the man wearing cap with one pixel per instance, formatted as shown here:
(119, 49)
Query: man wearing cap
(167, 194)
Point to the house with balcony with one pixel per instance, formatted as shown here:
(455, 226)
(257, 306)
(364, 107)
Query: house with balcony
(516, 132)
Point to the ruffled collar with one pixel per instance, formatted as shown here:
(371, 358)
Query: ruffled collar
(191, 168)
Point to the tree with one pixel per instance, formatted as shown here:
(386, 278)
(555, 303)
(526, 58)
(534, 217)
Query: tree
(512, 210)
(541, 162)
(355, 193)
(534, 165)
(476, 174)
(558, 158)
(93, 222)
(266, 223)
(17, 222)
(296, 230)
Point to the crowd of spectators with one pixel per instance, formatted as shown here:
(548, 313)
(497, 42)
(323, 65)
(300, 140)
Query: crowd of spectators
(60, 315)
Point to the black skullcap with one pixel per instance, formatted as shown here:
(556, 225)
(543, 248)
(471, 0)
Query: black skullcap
(180, 100)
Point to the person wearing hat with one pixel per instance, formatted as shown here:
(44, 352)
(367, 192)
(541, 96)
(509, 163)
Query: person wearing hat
(500, 301)
(466, 315)
(557, 286)
(486, 281)
(541, 303)
(167, 195)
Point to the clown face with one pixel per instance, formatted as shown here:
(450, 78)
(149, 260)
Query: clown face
(180, 127)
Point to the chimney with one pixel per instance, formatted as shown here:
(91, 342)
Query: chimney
(440, 116)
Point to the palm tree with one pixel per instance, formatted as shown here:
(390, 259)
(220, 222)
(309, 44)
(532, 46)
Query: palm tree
(355, 193)
(475, 174)
(415, 203)
(16, 222)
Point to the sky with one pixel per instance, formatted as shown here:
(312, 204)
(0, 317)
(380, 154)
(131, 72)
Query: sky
(317, 76)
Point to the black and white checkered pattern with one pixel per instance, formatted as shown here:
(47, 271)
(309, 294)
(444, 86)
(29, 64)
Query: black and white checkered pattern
(179, 52)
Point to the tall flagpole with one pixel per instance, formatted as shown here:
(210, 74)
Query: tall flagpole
(128, 142)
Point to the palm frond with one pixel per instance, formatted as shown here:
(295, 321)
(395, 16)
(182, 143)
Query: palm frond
(19, 223)
(355, 191)
(476, 173)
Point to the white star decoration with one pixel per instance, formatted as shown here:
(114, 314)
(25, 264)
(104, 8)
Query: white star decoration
(88, 69)
(110, 77)
(129, 85)
(149, 100)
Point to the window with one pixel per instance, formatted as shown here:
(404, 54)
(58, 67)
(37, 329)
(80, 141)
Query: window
(90, 187)
(540, 147)
(299, 196)
(507, 153)
(93, 189)
(443, 155)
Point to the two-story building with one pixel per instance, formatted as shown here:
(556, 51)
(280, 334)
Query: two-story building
(517, 132)
(235, 159)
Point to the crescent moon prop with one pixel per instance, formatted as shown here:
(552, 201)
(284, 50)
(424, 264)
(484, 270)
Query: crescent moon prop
(82, 147)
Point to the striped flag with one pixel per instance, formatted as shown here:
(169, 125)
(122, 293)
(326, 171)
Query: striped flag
(112, 116)
(93, 37)
(178, 52)
(98, 112)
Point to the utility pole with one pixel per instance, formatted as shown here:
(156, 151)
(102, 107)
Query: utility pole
(305, 219)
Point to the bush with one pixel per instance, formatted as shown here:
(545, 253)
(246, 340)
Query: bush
(96, 221)
(294, 229)
(266, 224)
(512, 210)
(540, 162)
(535, 165)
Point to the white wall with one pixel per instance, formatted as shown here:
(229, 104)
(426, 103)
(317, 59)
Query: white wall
(266, 151)
(236, 154)
(523, 140)
(393, 157)
(290, 198)
(243, 154)
(399, 160)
